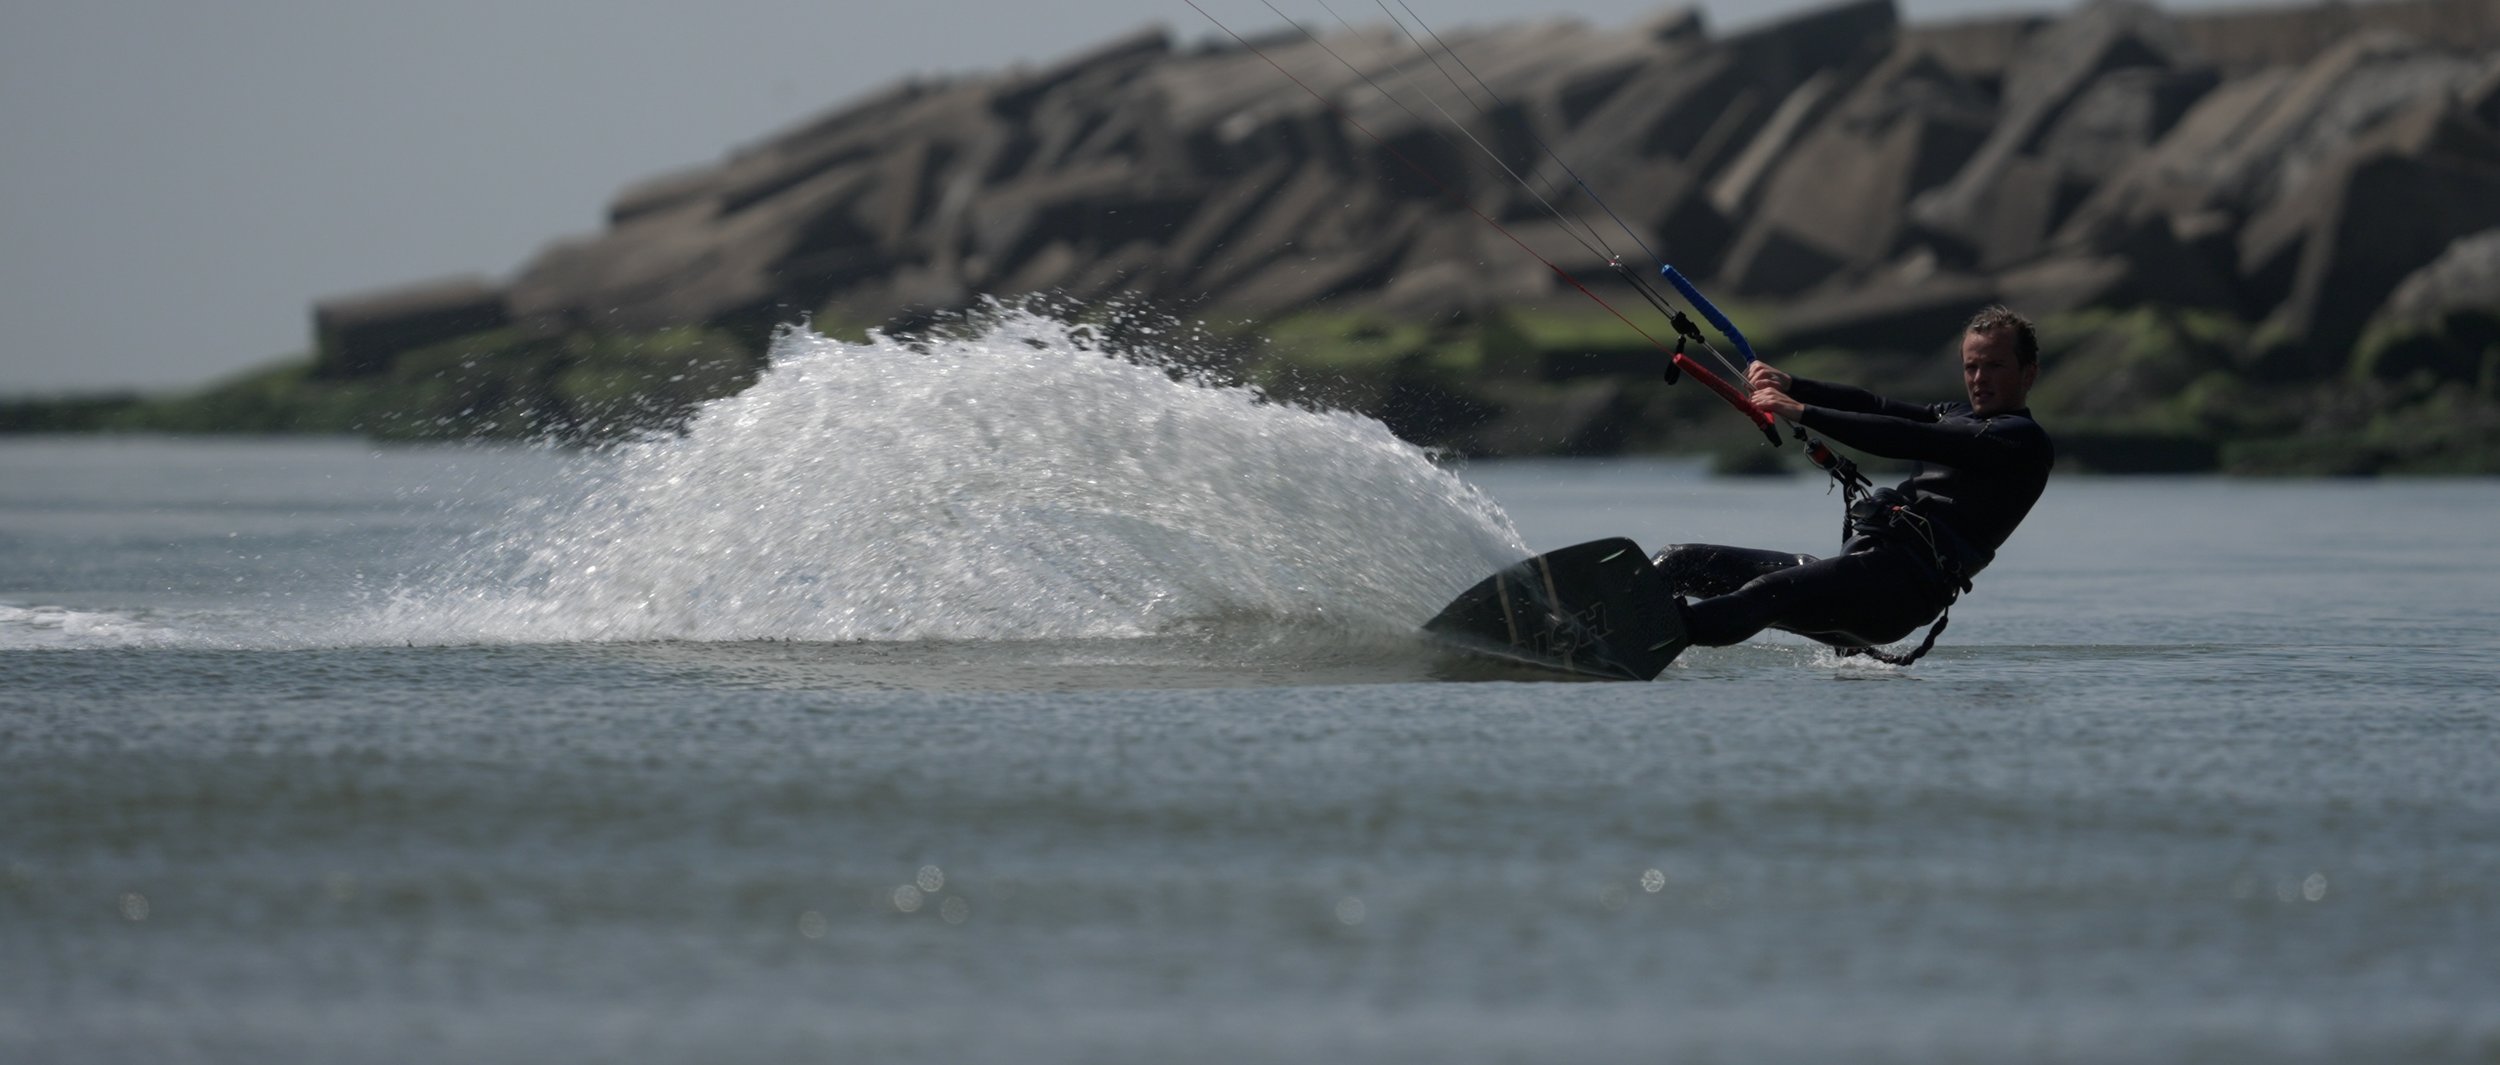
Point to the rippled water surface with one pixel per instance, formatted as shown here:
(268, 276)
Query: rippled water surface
(1001, 702)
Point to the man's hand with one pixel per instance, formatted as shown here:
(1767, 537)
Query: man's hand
(1770, 390)
(1777, 402)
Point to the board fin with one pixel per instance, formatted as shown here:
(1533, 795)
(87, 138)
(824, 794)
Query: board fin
(1597, 609)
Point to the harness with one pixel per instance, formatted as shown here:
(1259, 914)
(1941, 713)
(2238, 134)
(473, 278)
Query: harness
(1884, 514)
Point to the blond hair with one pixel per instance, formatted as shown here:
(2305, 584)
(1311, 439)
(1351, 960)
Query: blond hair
(1997, 318)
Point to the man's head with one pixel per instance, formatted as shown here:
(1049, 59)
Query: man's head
(2000, 360)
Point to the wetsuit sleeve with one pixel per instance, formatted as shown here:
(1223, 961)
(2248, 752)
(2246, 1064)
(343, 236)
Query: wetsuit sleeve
(2003, 444)
(1856, 400)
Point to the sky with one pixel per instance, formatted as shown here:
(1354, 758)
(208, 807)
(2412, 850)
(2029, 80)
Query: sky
(179, 182)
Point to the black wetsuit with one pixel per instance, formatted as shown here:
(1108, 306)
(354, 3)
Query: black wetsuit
(1899, 567)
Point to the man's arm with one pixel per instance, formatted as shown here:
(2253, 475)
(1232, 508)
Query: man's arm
(1856, 400)
(1897, 430)
(2003, 443)
(1789, 391)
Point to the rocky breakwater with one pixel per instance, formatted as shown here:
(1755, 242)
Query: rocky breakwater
(2254, 225)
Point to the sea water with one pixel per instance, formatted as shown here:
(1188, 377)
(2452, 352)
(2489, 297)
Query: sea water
(996, 699)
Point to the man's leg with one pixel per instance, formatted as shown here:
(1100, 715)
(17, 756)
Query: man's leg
(1704, 570)
(1865, 598)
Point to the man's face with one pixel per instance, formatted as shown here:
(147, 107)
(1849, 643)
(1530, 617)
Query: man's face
(1996, 380)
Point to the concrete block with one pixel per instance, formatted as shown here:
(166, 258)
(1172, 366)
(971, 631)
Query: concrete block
(359, 335)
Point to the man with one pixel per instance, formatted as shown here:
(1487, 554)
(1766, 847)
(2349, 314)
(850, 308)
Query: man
(1909, 551)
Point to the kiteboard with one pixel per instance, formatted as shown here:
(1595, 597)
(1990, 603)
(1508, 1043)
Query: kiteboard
(1598, 609)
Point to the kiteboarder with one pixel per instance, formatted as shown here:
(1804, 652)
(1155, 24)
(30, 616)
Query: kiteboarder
(1908, 551)
(1907, 554)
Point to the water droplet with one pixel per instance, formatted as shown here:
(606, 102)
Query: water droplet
(908, 898)
(955, 910)
(2313, 888)
(134, 906)
(931, 878)
(1653, 881)
(1350, 910)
